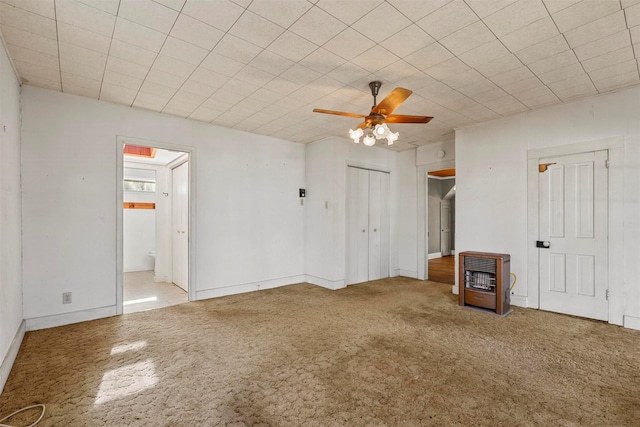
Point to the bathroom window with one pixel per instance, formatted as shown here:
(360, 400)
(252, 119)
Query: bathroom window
(139, 185)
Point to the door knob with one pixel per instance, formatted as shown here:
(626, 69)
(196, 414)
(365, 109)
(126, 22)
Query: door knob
(375, 229)
(364, 231)
(543, 244)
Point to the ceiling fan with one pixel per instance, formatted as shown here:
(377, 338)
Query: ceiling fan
(374, 125)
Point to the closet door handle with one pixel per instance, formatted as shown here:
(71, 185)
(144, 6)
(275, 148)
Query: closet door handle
(375, 230)
(364, 231)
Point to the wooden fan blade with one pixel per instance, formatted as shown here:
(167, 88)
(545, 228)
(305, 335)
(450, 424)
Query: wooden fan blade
(392, 101)
(400, 118)
(338, 113)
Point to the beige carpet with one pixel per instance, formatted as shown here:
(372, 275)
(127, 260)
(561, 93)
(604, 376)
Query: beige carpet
(396, 352)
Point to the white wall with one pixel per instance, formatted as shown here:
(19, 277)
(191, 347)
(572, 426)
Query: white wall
(407, 214)
(250, 225)
(491, 167)
(326, 171)
(10, 218)
(434, 193)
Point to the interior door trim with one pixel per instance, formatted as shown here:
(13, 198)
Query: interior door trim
(527, 293)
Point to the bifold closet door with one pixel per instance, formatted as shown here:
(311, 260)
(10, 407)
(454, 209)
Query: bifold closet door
(378, 225)
(357, 225)
(367, 225)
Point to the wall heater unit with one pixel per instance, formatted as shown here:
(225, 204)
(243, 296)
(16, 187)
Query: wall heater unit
(484, 281)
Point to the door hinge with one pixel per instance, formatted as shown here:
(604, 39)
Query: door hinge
(607, 294)
(606, 163)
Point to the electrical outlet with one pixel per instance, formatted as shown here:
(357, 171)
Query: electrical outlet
(66, 297)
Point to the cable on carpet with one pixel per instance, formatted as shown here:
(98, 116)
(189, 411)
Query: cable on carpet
(515, 279)
(22, 410)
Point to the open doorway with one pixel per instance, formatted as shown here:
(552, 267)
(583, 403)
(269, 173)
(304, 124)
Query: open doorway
(155, 228)
(441, 188)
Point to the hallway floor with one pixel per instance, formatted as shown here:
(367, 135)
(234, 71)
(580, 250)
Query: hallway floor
(442, 269)
(142, 293)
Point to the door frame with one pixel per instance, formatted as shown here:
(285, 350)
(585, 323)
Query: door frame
(529, 295)
(445, 202)
(171, 166)
(192, 158)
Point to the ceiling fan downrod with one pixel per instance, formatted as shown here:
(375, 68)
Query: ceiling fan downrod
(375, 87)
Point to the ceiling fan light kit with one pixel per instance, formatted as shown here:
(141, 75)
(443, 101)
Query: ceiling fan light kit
(374, 125)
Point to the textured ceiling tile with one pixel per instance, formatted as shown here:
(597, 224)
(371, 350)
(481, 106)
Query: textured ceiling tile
(253, 75)
(632, 14)
(512, 76)
(120, 80)
(617, 81)
(488, 52)
(322, 61)
(173, 4)
(84, 16)
(447, 69)
(398, 71)
(173, 66)
(407, 41)
(416, 9)
(208, 77)
(83, 38)
(44, 8)
(317, 26)
(29, 40)
(35, 70)
(222, 14)
(553, 62)
(28, 21)
(603, 46)
(196, 32)
(198, 88)
(132, 53)
(148, 13)
(109, 6)
(575, 92)
(542, 50)
(573, 70)
(488, 95)
(554, 6)
(271, 62)
(448, 19)
(204, 114)
(34, 57)
(561, 85)
(498, 66)
(481, 86)
(179, 108)
(125, 67)
(81, 55)
(221, 64)
(282, 12)
(348, 11)
(583, 13)
(484, 8)
(85, 69)
(167, 79)
(348, 44)
(183, 51)
(347, 73)
(235, 48)
(531, 34)
(614, 70)
(300, 75)
(516, 16)
(158, 89)
(468, 38)
(375, 59)
(369, 25)
(81, 91)
(429, 56)
(117, 94)
(292, 46)
(255, 29)
(635, 34)
(138, 35)
(596, 30)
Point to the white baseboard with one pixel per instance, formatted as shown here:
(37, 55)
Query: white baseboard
(435, 255)
(248, 287)
(325, 283)
(518, 301)
(407, 273)
(45, 322)
(12, 353)
(632, 322)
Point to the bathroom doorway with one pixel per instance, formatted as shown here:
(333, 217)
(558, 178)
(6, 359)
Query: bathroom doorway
(155, 198)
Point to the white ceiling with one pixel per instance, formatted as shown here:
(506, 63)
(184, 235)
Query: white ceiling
(263, 65)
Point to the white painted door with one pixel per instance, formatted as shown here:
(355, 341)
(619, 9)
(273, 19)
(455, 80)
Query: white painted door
(378, 225)
(180, 225)
(445, 227)
(357, 225)
(367, 225)
(573, 224)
